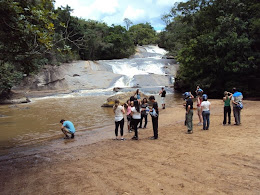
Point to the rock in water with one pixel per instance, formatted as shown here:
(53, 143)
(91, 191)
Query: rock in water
(122, 97)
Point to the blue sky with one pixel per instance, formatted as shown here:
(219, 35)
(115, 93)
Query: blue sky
(114, 11)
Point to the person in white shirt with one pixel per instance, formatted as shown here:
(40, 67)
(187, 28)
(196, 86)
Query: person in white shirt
(205, 105)
(136, 117)
(119, 119)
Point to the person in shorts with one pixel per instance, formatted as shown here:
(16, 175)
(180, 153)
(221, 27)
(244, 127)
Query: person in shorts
(67, 128)
(163, 95)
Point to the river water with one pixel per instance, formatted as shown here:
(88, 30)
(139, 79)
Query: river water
(35, 123)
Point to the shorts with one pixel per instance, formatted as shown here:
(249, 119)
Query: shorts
(162, 99)
(199, 109)
(129, 117)
(67, 130)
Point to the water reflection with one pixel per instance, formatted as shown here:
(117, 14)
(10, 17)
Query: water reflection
(39, 121)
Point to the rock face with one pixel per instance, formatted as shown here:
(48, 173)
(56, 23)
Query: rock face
(72, 76)
(122, 97)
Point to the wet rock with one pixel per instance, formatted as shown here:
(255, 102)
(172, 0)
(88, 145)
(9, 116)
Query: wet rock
(16, 101)
(117, 89)
(122, 97)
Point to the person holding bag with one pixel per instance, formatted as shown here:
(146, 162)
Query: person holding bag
(154, 115)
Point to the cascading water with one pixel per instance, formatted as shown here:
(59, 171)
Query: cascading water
(150, 62)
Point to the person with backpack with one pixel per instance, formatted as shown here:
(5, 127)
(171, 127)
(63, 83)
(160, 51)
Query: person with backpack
(237, 105)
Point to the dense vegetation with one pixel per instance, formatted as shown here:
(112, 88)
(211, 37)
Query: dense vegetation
(217, 44)
(33, 33)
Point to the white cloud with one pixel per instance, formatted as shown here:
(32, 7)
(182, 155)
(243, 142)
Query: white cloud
(133, 14)
(165, 2)
(108, 6)
(114, 11)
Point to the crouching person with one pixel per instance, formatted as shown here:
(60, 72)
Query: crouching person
(67, 128)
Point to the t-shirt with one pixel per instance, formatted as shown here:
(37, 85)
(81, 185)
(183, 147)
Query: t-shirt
(189, 102)
(163, 93)
(69, 125)
(128, 110)
(136, 115)
(143, 107)
(237, 97)
(118, 113)
(155, 106)
(205, 105)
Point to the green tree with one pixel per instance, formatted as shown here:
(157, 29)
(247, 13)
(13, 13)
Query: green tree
(217, 45)
(143, 34)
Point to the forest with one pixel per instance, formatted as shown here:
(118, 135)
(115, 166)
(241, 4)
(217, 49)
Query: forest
(217, 44)
(33, 33)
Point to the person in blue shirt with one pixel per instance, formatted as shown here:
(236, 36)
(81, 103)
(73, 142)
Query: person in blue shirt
(67, 128)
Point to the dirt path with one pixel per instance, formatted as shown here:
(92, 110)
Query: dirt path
(223, 160)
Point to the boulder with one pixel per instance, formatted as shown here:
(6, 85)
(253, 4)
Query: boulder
(122, 97)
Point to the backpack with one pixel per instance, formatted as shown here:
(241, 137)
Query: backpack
(240, 105)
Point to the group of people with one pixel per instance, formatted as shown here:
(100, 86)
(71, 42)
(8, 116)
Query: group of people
(203, 108)
(136, 111)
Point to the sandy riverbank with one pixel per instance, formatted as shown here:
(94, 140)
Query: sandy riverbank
(223, 160)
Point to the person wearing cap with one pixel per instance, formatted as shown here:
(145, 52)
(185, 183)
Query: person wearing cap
(189, 111)
(205, 105)
(67, 128)
(236, 100)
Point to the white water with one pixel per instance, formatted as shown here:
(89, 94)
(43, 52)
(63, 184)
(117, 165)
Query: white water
(147, 62)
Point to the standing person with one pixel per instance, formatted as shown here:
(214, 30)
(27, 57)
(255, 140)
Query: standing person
(144, 105)
(198, 90)
(119, 119)
(237, 101)
(189, 111)
(67, 128)
(199, 110)
(136, 117)
(227, 109)
(154, 115)
(205, 105)
(163, 95)
(128, 115)
(137, 94)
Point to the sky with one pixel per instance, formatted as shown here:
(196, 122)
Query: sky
(114, 11)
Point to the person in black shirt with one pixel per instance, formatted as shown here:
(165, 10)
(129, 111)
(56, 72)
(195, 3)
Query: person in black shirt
(163, 95)
(189, 111)
(155, 117)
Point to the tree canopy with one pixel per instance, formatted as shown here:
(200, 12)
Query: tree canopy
(33, 33)
(216, 43)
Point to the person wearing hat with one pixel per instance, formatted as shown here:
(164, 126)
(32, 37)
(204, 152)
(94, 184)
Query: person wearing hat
(237, 102)
(189, 111)
(205, 105)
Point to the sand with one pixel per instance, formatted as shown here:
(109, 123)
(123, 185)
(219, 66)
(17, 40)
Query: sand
(223, 160)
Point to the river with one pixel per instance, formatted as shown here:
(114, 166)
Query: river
(37, 123)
